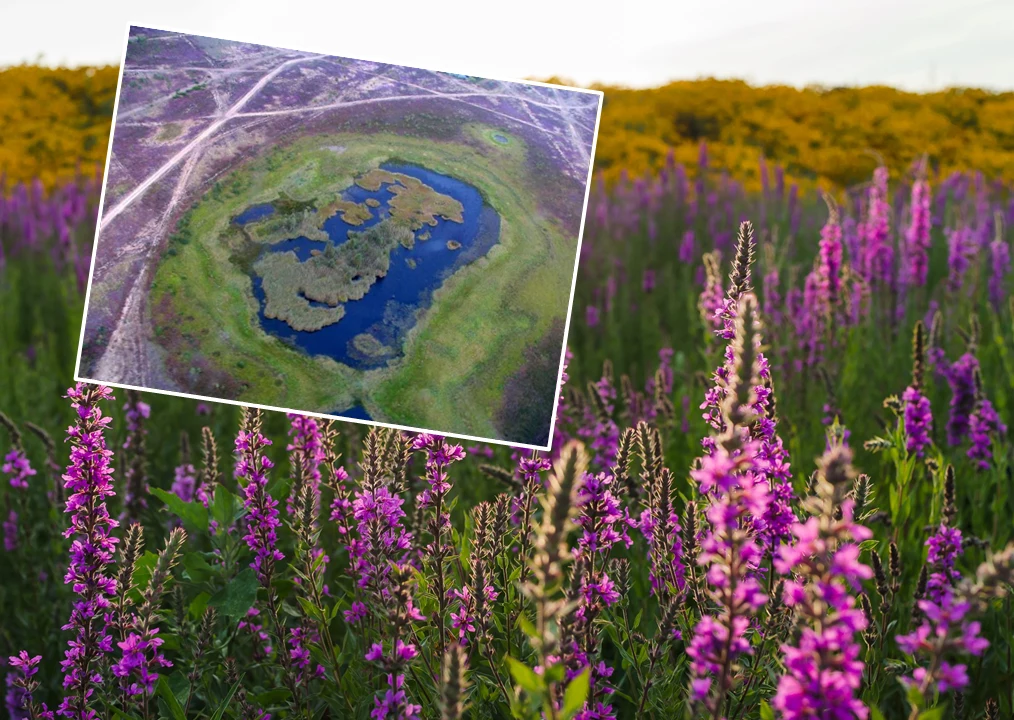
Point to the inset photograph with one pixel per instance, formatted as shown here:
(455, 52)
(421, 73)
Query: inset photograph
(320, 234)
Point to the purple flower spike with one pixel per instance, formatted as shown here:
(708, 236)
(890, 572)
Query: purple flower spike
(21, 684)
(824, 671)
(961, 377)
(918, 420)
(944, 630)
(1000, 262)
(262, 520)
(944, 549)
(307, 445)
(984, 425)
(917, 239)
(88, 482)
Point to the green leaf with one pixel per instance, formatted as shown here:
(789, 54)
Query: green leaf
(224, 705)
(199, 604)
(193, 514)
(525, 677)
(165, 692)
(766, 713)
(238, 596)
(272, 697)
(310, 609)
(915, 698)
(227, 508)
(180, 685)
(196, 567)
(526, 627)
(279, 489)
(936, 713)
(875, 713)
(142, 573)
(555, 673)
(575, 696)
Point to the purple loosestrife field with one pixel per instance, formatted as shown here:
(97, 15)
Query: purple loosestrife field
(780, 487)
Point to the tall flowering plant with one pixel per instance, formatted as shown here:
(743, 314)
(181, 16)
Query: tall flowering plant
(731, 480)
(88, 482)
(823, 668)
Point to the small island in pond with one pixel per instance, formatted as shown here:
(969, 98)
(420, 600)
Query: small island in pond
(310, 295)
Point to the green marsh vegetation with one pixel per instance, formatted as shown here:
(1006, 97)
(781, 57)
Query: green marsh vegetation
(459, 355)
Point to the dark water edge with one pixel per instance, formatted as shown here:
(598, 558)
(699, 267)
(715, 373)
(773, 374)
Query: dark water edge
(254, 212)
(357, 412)
(394, 303)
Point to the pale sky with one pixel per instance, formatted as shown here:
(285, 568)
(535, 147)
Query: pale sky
(912, 44)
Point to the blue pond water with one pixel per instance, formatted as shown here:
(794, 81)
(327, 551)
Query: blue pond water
(356, 411)
(390, 307)
(254, 212)
(500, 139)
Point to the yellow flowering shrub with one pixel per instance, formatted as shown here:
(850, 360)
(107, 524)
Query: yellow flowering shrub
(823, 135)
(53, 119)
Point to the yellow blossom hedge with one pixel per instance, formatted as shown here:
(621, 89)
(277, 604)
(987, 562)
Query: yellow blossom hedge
(52, 118)
(820, 135)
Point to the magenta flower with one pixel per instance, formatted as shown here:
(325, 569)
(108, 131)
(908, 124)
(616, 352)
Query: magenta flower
(306, 443)
(960, 251)
(88, 482)
(600, 432)
(21, 684)
(357, 612)
(918, 421)
(731, 555)
(381, 539)
(14, 700)
(472, 612)
(16, 465)
(943, 632)
(688, 248)
(262, 520)
(252, 626)
(439, 455)
(394, 704)
(184, 481)
(135, 491)
(1000, 262)
(983, 426)
(711, 302)
(774, 525)
(875, 233)
(824, 671)
(945, 546)
(10, 531)
(602, 521)
(829, 262)
(917, 238)
(141, 657)
(961, 377)
(648, 280)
